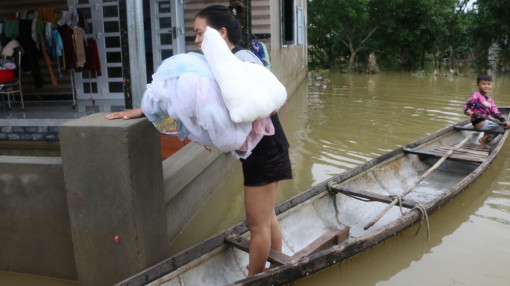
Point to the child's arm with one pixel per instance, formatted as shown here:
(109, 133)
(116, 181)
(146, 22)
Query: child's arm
(467, 109)
(468, 106)
(494, 111)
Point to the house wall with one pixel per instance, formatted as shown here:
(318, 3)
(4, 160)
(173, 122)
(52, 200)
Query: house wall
(289, 62)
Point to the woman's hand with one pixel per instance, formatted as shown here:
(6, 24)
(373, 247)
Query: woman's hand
(507, 124)
(126, 114)
(469, 112)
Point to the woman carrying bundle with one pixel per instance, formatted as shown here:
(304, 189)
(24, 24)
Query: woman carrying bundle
(269, 161)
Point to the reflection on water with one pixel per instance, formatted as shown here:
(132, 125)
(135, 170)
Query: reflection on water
(339, 121)
(30, 148)
(15, 279)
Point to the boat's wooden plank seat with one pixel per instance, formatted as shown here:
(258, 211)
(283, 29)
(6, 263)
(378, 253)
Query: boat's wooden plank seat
(470, 153)
(331, 237)
(328, 239)
(372, 196)
(476, 130)
(242, 243)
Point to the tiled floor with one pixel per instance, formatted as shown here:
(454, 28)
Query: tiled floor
(40, 110)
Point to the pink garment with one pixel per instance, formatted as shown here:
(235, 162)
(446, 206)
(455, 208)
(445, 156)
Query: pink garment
(260, 128)
(483, 105)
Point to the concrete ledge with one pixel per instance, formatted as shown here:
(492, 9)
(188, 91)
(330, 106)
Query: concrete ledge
(33, 122)
(114, 185)
(188, 201)
(185, 165)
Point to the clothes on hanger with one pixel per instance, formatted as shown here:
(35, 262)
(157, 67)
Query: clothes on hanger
(30, 60)
(93, 62)
(61, 33)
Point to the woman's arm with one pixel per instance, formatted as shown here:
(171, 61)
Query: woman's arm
(126, 114)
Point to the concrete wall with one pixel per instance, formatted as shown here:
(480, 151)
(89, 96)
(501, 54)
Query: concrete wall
(42, 210)
(191, 176)
(114, 189)
(35, 234)
(288, 62)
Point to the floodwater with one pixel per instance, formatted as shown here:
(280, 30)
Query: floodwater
(338, 121)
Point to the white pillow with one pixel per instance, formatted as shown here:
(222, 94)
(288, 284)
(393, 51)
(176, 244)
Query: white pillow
(250, 91)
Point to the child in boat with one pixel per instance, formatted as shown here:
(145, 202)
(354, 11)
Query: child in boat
(480, 106)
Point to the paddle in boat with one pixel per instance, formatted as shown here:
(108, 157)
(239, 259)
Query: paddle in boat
(342, 216)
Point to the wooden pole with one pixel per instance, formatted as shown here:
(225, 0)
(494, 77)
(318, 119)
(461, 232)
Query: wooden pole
(429, 171)
(490, 119)
(47, 59)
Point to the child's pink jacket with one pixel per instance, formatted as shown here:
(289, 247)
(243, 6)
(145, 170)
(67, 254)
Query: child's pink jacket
(476, 104)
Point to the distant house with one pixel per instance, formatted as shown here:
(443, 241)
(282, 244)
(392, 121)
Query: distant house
(134, 36)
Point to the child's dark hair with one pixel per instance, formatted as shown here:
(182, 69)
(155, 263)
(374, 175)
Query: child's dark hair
(219, 16)
(483, 77)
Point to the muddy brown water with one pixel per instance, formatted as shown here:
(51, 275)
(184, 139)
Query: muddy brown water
(337, 121)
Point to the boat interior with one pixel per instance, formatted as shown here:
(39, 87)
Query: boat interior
(342, 214)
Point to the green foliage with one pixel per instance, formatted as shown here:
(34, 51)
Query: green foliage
(408, 32)
(337, 30)
(491, 30)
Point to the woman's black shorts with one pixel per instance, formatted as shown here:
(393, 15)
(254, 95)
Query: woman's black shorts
(266, 166)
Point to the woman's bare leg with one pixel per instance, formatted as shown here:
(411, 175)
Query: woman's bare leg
(276, 236)
(264, 227)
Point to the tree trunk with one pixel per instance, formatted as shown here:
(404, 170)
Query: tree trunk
(437, 65)
(422, 64)
(351, 60)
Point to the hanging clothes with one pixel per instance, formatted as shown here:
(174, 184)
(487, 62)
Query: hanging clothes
(11, 29)
(33, 29)
(56, 44)
(93, 62)
(68, 18)
(41, 36)
(67, 35)
(47, 15)
(79, 46)
(1, 35)
(30, 60)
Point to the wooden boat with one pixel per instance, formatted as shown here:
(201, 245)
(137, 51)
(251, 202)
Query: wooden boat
(330, 222)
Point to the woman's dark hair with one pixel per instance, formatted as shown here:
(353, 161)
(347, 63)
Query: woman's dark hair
(219, 16)
(483, 77)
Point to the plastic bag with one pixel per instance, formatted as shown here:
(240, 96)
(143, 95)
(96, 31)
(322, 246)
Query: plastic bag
(250, 91)
(184, 89)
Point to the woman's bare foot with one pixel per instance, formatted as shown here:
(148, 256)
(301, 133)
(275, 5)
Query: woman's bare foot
(265, 268)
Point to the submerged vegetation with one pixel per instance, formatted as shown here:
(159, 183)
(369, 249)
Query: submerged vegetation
(448, 37)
